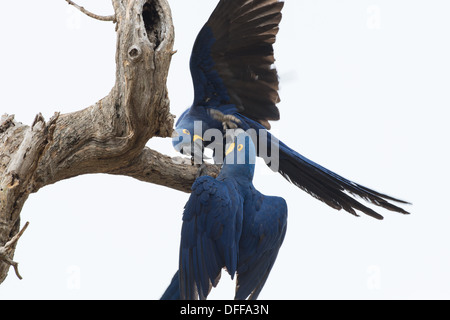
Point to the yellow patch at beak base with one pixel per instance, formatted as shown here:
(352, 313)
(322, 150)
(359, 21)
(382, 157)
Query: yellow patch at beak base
(196, 137)
(230, 149)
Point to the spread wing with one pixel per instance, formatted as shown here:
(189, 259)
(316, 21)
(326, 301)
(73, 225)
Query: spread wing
(212, 224)
(232, 59)
(262, 236)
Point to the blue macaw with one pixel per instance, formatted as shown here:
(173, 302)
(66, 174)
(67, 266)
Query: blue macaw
(227, 223)
(236, 85)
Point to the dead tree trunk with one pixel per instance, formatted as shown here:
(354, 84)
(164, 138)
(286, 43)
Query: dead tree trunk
(107, 137)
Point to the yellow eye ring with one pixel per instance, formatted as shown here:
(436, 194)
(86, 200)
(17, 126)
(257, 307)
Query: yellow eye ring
(186, 131)
(240, 147)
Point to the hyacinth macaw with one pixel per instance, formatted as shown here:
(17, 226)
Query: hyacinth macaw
(227, 223)
(236, 85)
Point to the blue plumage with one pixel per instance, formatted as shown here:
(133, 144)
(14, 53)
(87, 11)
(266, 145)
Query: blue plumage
(233, 74)
(212, 226)
(204, 76)
(173, 290)
(229, 224)
(265, 225)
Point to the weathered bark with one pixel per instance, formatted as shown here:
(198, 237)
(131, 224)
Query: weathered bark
(107, 137)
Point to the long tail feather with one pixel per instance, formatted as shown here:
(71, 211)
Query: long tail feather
(330, 187)
(325, 185)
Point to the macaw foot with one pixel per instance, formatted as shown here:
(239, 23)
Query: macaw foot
(228, 121)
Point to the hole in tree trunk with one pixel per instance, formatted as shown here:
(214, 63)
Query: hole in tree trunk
(152, 22)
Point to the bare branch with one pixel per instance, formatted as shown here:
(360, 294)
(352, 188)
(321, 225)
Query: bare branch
(106, 137)
(16, 238)
(92, 15)
(6, 122)
(175, 173)
(5, 250)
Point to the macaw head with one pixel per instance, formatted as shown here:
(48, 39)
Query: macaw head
(240, 153)
(186, 142)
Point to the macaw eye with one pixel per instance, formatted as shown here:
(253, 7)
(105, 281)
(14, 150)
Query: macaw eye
(240, 147)
(186, 131)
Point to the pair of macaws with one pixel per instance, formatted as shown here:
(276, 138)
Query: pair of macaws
(227, 223)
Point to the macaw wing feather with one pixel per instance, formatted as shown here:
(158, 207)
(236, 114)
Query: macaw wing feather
(261, 240)
(209, 236)
(173, 290)
(232, 59)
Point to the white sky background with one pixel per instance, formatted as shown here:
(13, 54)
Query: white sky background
(365, 93)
